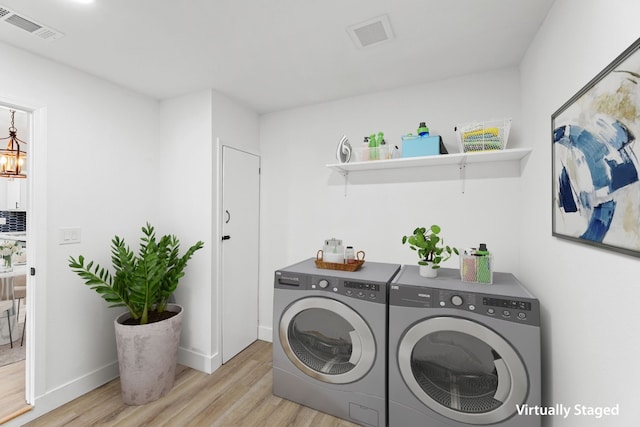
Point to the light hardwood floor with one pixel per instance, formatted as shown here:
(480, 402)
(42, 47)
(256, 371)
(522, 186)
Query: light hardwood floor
(12, 378)
(237, 394)
(12, 391)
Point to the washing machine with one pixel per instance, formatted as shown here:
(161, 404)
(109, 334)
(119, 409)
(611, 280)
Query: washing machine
(329, 339)
(462, 354)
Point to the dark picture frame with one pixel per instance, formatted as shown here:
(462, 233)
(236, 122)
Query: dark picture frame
(595, 166)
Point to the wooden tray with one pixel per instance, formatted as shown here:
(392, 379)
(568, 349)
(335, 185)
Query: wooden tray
(340, 266)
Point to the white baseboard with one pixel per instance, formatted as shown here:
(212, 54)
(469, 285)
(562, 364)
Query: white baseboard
(199, 361)
(265, 333)
(57, 397)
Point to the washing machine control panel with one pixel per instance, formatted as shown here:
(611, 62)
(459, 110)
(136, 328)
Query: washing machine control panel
(369, 291)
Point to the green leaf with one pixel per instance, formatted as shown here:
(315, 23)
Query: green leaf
(142, 282)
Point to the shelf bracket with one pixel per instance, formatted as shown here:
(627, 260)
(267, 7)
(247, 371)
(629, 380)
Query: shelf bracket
(346, 176)
(463, 172)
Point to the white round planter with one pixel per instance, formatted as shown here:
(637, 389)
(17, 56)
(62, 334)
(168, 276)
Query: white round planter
(147, 357)
(427, 271)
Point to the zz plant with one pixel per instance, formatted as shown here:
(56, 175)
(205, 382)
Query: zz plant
(144, 282)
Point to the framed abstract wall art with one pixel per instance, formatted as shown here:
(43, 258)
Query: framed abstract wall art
(596, 186)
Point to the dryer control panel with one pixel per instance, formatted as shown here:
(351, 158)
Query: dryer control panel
(521, 310)
(505, 308)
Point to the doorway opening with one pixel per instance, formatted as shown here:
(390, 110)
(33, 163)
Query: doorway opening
(16, 282)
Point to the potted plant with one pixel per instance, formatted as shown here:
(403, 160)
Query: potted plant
(148, 334)
(430, 248)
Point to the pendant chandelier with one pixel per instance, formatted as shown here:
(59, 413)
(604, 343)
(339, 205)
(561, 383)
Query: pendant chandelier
(12, 159)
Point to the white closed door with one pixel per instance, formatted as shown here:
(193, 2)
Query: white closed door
(240, 231)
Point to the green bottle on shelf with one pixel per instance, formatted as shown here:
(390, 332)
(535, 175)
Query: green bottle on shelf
(373, 147)
(423, 129)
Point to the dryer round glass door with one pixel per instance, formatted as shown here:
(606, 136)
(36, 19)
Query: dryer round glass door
(327, 340)
(462, 370)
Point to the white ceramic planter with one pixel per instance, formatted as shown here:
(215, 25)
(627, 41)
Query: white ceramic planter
(427, 271)
(147, 357)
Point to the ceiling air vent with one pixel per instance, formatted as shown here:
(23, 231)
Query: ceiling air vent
(372, 32)
(29, 25)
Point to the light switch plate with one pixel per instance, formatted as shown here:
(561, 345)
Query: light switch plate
(70, 235)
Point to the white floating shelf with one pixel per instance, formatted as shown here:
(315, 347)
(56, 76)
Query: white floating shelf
(514, 154)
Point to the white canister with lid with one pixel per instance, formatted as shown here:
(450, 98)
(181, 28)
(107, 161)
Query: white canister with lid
(333, 251)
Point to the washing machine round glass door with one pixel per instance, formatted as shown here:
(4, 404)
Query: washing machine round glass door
(462, 370)
(327, 340)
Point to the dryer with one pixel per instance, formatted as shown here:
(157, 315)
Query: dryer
(462, 354)
(329, 343)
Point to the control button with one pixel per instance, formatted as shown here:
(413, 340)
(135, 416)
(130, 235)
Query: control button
(456, 300)
(472, 307)
(335, 289)
(360, 293)
(442, 303)
(522, 316)
(349, 292)
(323, 283)
(506, 313)
(372, 295)
(491, 311)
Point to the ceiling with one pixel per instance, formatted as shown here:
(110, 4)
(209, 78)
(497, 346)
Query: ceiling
(277, 54)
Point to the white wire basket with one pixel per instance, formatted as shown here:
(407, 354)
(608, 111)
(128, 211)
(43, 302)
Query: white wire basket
(487, 135)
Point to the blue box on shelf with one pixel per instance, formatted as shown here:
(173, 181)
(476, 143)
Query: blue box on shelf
(418, 146)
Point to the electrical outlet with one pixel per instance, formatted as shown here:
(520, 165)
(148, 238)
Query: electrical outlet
(70, 235)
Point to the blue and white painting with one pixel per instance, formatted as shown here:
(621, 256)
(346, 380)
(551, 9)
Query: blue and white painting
(596, 181)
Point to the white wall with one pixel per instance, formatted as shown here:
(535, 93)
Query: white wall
(189, 176)
(304, 203)
(588, 296)
(185, 193)
(95, 159)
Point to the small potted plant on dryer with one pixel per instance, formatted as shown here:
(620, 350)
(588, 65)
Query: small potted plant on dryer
(430, 248)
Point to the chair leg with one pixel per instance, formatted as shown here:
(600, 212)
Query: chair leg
(18, 322)
(23, 328)
(9, 324)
